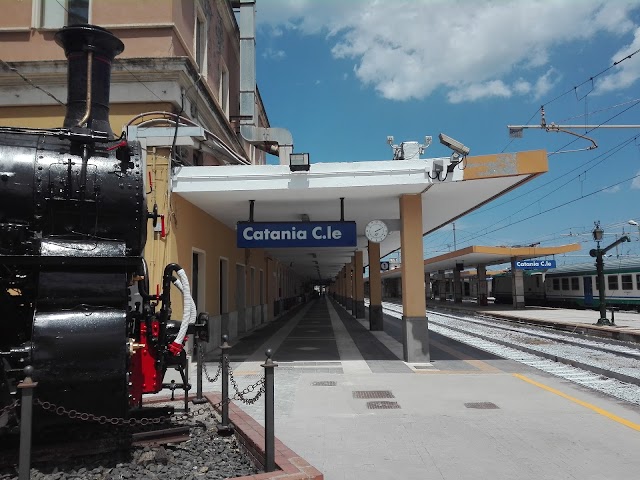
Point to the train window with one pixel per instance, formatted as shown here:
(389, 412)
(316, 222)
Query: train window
(556, 284)
(613, 282)
(575, 283)
(627, 282)
(565, 284)
(638, 281)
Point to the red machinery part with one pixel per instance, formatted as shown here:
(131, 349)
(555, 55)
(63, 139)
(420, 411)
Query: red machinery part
(143, 375)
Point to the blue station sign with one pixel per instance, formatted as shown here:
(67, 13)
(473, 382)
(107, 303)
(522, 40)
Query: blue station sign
(296, 234)
(535, 264)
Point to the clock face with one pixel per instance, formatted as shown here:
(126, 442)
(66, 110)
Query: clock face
(376, 231)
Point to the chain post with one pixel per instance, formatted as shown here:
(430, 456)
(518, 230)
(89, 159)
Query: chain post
(225, 428)
(269, 428)
(201, 335)
(26, 417)
(199, 398)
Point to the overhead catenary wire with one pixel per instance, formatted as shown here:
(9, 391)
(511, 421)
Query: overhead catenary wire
(575, 88)
(29, 82)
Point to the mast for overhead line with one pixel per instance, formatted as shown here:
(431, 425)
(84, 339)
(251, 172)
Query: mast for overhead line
(516, 131)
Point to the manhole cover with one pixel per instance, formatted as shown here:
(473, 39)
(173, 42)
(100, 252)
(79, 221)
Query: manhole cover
(481, 405)
(327, 383)
(381, 405)
(373, 394)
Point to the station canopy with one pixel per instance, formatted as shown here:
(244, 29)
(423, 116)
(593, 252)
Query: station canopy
(476, 255)
(371, 190)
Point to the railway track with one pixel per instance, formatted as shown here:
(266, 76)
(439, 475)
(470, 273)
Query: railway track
(608, 366)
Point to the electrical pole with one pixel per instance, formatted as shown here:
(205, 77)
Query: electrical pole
(598, 253)
(455, 247)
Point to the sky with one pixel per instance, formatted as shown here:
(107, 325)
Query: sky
(342, 75)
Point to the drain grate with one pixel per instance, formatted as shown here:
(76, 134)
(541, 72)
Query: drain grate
(382, 405)
(326, 383)
(482, 405)
(373, 394)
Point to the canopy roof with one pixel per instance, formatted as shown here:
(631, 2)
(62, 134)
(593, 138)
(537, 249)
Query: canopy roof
(371, 190)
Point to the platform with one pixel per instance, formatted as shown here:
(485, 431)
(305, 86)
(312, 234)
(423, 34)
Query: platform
(346, 403)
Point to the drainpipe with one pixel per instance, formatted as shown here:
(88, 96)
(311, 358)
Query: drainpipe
(248, 107)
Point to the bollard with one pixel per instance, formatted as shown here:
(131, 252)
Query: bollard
(201, 335)
(269, 433)
(225, 428)
(27, 386)
(199, 398)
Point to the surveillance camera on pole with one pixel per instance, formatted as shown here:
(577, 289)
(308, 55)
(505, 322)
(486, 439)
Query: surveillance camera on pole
(454, 145)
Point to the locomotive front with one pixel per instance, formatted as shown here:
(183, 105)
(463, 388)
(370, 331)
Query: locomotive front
(73, 297)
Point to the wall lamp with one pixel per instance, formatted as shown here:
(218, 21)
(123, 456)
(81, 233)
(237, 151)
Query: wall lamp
(299, 162)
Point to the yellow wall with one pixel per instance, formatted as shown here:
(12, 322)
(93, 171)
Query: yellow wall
(188, 227)
(52, 116)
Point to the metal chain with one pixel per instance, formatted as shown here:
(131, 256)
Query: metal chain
(206, 373)
(240, 395)
(118, 421)
(8, 408)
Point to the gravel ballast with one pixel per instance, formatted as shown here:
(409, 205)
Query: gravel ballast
(206, 455)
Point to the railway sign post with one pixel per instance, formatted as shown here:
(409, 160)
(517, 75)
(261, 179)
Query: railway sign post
(598, 253)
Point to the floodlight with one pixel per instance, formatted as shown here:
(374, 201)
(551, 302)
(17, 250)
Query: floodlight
(390, 139)
(298, 162)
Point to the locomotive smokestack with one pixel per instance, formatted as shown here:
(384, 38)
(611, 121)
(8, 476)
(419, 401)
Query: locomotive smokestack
(89, 51)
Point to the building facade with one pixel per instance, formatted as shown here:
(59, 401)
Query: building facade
(177, 89)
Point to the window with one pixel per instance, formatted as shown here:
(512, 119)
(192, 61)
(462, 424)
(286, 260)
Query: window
(556, 284)
(638, 281)
(200, 34)
(565, 284)
(612, 281)
(575, 283)
(198, 279)
(627, 282)
(223, 91)
(58, 13)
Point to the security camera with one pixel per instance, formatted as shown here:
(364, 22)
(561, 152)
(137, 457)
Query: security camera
(390, 139)
(454, 145)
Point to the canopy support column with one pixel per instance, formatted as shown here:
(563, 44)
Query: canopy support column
(375, 288)
(415, 330)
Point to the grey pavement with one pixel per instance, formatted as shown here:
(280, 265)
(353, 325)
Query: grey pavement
(537, 427)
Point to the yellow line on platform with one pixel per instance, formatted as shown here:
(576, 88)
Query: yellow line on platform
(599, 410)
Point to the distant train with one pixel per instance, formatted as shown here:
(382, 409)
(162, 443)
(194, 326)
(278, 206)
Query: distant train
(576, 286)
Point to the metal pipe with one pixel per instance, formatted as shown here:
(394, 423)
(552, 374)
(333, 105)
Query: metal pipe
(87, 111)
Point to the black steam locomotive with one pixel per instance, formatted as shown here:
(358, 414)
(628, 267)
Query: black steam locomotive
(74, 302)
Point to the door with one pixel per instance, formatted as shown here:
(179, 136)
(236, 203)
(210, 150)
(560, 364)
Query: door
(588, 291)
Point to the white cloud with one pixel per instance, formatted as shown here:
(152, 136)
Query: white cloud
(635, 184)
(409, 48)
(493, 88)
(627, 72)
(614, 189)
(274, 54)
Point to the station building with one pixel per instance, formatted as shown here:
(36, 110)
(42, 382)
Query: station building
(185, 87)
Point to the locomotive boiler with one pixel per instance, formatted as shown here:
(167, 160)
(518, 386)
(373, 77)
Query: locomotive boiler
(74, 302)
